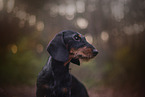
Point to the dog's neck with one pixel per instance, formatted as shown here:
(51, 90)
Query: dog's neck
(60, 71)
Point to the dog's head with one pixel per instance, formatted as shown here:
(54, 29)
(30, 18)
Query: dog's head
(70, 45)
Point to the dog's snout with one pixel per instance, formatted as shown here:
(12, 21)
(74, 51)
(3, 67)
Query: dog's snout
(95, 52)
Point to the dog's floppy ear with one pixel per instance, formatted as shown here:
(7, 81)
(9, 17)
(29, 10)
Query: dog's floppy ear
(75, 61)
(57, 48)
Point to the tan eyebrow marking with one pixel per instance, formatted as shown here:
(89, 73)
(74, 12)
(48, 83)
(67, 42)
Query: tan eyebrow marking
(79, 36)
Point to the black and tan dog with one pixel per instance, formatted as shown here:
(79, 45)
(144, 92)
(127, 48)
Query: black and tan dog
(55, 80)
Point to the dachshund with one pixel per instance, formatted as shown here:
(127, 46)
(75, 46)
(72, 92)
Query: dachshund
(55, 80)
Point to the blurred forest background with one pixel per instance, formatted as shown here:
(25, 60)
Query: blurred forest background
(115, 27)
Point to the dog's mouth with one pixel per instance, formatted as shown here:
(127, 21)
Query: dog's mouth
(86, 58)
(82, 53)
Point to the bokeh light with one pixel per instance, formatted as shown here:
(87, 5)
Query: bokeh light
(10, 5)
(40, 26)
(61, 9)
(89, 38)
(53, 10)
(14, 48)
(32, 20)
(39, 48)
(21, 14)
(133, 29)
(117, 9)
(82, 23)
(80, 6)
(104, 36)
(1, 5)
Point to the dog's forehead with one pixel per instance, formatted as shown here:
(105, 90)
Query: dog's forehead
(72, 33)
(78, 33)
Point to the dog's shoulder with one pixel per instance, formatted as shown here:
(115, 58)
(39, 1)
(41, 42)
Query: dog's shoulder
(46, 70)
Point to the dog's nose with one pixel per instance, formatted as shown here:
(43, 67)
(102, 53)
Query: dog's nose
(95, 52)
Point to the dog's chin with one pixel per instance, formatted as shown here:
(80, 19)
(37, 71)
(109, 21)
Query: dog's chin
(84, 58)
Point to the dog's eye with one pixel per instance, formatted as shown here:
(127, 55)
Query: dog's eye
(77, 37)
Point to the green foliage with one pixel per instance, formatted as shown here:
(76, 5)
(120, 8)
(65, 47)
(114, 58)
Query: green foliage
(21, 68)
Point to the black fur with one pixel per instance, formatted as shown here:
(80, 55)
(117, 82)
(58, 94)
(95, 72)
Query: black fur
(55, 80)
